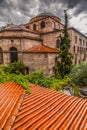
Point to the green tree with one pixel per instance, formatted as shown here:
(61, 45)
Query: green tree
(78, 74)
(64, 63)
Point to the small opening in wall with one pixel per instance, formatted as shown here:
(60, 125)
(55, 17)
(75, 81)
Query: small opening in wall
(34, 26)
(27, 70)
(27, 27)
(12, 40)
(42, 24)
(58, 43)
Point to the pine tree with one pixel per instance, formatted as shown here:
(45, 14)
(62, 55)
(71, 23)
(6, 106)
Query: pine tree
(64, 63)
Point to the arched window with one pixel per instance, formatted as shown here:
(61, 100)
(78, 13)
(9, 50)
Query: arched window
(58, 27)
(42, 24)
(1, 56)
(27, 26)
(13, 54)
(53, 25)
(58, 43)
(34, 26)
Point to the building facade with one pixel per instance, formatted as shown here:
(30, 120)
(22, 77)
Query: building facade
(37, 43)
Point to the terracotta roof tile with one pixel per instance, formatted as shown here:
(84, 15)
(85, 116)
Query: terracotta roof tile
(20, 28)
(44, 109)
(10, 95)
(42, 49)
(16, 36)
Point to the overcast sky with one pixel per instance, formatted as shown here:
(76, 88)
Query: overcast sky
(21, 11)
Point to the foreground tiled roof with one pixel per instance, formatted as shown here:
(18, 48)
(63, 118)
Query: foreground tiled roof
(42, 48)
(44, 109)
(10, 101)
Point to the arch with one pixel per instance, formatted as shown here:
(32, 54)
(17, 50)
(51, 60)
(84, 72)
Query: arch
(58, 43)
(42, 24)
(58, 27)
(1, 56)
(13, 54)
(27, 70)
(53, 25)
(34, 26)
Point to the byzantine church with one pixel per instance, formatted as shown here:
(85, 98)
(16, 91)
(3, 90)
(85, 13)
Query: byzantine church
(36, 44)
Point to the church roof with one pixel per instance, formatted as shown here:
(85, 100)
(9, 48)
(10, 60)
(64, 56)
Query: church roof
(45, 14)
(19, 28)
(42, 49)
(43, 109)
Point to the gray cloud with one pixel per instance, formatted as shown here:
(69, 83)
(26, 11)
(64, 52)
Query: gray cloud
(20, 11)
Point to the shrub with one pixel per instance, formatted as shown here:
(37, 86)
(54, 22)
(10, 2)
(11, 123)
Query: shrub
(35, 77)
(56, 86)
(76, 91)
(79, 74)
(16, 68)
(47, 81)
(20, 79)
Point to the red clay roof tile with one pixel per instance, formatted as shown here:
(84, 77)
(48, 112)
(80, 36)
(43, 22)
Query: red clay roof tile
(10, 95)
(44, 109)
(42, 49)
(20, 28)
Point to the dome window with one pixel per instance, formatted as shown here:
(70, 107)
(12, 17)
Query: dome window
(27, 27)
(58, 43)
(34, 27)
(53, 25)
(42, 24)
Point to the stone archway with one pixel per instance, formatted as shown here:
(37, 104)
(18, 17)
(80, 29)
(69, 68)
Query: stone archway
(13, 54)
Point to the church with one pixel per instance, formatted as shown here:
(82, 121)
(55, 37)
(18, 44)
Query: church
(36, 44)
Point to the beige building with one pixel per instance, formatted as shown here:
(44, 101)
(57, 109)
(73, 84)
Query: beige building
(36, 43)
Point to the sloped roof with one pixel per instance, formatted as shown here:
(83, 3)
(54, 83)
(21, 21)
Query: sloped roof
(19, 28)
(41, 49)
(44, 109)
(10, 100)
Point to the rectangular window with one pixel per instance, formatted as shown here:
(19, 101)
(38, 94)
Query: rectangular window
(83, 43)
(86, 43)
(75, 39)
(78, 49)
(80, 41)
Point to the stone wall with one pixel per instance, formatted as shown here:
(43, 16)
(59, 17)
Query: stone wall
(20, 44)
(78, 46)
(48, 25)
(37, 61)
(50, 39)
(18, 34)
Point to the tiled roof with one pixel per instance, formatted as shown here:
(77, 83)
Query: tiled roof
(42, 48)
(20, 28)
(10, 100)
(16, 36)
(44, 109)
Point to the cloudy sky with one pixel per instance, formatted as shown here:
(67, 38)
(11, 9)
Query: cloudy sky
(21, 11)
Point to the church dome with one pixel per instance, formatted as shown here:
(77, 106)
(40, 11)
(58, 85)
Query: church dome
(43, 15)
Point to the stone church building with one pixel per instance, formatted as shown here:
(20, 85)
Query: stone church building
(36, 44)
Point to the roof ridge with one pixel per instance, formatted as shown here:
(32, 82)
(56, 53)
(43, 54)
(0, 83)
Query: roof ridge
(41, 48)
(12, 117)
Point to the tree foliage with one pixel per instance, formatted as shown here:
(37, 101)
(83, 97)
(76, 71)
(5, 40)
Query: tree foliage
(16, 68)
(79, 74)
(13, 73)
(64, 63)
